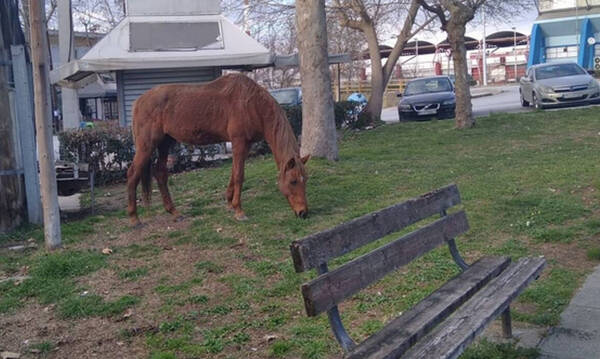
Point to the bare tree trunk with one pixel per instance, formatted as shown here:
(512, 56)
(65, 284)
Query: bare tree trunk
(378, 84)
(456, 36)
(44, 126)
(318, 123)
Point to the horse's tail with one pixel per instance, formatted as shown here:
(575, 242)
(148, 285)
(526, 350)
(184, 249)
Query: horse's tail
(146, 177)
(147, 182)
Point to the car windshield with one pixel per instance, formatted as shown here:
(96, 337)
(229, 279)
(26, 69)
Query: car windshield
(559, 70)
(285, 97)
(427, 86)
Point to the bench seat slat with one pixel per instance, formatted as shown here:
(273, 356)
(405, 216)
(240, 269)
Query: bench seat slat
(319, 248)
(401, 333)
(327, 290)
(450, 338)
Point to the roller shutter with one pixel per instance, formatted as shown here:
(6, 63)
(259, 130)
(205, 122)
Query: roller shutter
(132, 83)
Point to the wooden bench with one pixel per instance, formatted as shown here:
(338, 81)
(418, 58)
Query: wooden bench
(442, 324)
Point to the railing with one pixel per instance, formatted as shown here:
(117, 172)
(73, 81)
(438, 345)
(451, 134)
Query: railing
(364, 87)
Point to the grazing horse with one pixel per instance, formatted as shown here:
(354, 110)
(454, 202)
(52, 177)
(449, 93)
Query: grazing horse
(231, 108)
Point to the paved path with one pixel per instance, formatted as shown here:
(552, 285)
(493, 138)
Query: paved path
(578, 335)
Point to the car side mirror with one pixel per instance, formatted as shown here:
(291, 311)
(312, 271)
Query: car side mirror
(399, 94)
(591, 72)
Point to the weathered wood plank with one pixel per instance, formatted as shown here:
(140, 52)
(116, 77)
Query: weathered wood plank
(401, 333)
(327, 290)
(450, 338)
(318, 248)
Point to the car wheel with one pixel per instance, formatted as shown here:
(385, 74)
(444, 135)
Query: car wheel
(524, 102)
(536, 103)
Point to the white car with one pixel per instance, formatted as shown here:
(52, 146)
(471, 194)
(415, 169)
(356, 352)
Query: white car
(558, 84)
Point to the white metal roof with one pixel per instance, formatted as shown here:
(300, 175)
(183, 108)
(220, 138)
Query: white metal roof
(113, 51)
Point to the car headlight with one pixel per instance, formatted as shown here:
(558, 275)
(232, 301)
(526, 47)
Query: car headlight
(404, 106)
(593, 84)
(449, 102)
(545, 89)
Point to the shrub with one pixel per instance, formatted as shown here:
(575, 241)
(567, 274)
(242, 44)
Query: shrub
(108, 149)
(347, 115)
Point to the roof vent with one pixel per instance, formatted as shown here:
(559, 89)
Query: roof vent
(173, 7)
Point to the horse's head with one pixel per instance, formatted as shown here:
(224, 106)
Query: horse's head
(292, 183)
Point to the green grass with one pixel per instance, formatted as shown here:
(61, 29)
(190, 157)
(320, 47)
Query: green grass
(594, 253)
(52, 281)
(529, 184)
(485, 349)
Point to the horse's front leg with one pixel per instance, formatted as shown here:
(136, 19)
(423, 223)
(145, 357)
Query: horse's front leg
(240, 151)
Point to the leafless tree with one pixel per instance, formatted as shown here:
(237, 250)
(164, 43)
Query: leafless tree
(454, 15)
(365, 16)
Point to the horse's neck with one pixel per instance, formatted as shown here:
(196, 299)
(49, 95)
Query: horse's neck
(281, 139)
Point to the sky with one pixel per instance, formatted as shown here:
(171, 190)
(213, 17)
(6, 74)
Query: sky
(523, 24)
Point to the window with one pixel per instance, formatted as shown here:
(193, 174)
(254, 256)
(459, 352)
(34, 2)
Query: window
(111, 110)
(416, 87)
(558, 70)
(175, 36)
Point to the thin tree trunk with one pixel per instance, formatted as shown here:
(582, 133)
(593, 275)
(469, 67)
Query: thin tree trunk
(44, 126)
(318, 123)
(375, 104)
(381, 74)
(464, 112)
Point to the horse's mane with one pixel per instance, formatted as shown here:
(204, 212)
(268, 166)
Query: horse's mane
(277, 129)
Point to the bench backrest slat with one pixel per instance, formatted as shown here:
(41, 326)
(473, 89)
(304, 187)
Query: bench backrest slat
(327, 290)
(319, 248)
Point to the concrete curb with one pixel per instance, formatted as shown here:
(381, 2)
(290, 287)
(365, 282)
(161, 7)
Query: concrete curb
(485, 94)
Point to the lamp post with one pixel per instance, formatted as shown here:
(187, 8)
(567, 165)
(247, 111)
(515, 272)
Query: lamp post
(484, 50)
(515, 51)
(416, 58)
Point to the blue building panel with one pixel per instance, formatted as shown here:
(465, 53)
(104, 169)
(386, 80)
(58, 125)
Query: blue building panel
(571, 33)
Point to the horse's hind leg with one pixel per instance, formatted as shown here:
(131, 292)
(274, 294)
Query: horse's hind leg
(161, 173)
(137, 169)
(240, 151)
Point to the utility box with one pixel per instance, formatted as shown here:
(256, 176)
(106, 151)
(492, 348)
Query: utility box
(173, 7)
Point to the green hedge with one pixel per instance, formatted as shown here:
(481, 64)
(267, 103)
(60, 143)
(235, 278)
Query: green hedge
(109, 149)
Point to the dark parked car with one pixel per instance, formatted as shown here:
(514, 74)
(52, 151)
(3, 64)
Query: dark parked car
(427, 97)
(287, 96)
(558, 84)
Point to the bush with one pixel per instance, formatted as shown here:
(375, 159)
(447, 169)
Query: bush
(108, 149)
(347, 115)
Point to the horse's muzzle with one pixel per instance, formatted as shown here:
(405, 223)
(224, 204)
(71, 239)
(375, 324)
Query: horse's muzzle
(302, 214)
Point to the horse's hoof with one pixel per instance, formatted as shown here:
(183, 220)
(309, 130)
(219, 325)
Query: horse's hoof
(138, 226)
(241, 217)
(179, 218)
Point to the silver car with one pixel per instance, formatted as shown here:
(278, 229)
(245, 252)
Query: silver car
(557, 84)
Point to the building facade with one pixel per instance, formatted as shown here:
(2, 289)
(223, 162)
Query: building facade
(567, 30)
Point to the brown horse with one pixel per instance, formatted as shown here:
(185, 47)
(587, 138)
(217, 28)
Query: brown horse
(232, 108)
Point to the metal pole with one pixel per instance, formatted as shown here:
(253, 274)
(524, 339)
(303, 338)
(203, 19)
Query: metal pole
(71, 116)
(484, 51)
(27, 132)
(417, 58)
(515, 52)
(44, 125)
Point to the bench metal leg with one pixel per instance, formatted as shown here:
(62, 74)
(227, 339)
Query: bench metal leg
(341, 335)
(506, 323)
(458, 259)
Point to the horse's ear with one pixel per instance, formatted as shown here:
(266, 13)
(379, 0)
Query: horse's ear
(305, 159)
(290, 164)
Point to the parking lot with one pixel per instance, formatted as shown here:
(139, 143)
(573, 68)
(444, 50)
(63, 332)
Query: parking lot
(501, 99)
